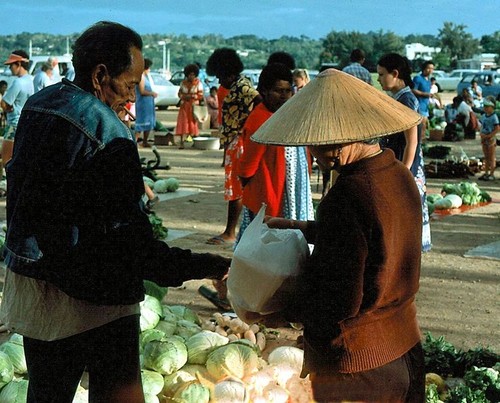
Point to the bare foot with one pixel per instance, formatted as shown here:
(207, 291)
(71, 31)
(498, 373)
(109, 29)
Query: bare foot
(220, 240)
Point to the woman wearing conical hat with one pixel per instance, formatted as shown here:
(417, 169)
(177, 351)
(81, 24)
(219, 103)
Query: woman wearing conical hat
(356, 298)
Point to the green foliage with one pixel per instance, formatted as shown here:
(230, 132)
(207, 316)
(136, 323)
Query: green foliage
(159, 231)
(458, 43)
(442, 358)
(431, 394)
(470, 192)
(155, 290)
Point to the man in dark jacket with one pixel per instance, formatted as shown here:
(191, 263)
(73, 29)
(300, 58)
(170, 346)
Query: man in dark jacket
(79, 242)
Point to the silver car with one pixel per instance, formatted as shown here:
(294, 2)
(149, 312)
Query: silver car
(450, 82)
(167, 92)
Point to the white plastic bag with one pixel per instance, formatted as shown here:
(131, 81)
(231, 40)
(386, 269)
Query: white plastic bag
(264, 268)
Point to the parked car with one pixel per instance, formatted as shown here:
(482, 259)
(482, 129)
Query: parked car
(253, 75)
(488, 80)
(450, 82)
(177, 77)
(439, 74)
(167, 91)
(64, 64)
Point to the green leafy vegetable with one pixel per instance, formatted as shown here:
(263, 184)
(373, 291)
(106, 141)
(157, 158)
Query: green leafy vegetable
(159, 231)
(151, 312)
(15, 391)
(165, 356)
(6, 369)
(440, 356)
(15, 351)
(470, 192)
(152, 382)
(155, 290)
(201, 344)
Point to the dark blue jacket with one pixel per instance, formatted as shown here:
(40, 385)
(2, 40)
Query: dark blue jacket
(75, 215)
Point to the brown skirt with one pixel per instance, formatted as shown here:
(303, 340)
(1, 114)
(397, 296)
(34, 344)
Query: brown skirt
(402, 380)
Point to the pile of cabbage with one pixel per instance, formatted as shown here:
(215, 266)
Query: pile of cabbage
(189, 361)
(162, 185)
(453, 195)
(219, 360)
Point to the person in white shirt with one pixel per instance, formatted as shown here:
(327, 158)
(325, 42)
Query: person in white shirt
(43, 78)
(56, 74)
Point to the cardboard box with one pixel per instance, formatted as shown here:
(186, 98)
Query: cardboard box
(161, 139)
(436, 134)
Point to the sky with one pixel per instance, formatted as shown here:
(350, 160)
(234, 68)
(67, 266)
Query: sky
(268, 19)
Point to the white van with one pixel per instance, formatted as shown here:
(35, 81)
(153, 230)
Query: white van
(37, 61)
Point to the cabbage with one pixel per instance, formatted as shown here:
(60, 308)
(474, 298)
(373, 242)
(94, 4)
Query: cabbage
(167, 328)
(201, 344)
(183, 312)
(149, 398)
(287, 355)
(233, 360)
(186, 329)
(430, 208)
(148, 181)
(173, 382)
(15, 391)
(150, 335)
(434, 197)
(165, 356)
(168, 315)
(192, 392)
(275, 393)
(172, 184)
(451, 188)
(151, 312)
(152, 382)
(443, 204)
(6, 369)
(229, 391)
(17, 339)
(16, 355)
(155, 290)
(161, 186)
(456, 201)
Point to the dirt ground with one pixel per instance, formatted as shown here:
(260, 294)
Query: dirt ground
(458, 297)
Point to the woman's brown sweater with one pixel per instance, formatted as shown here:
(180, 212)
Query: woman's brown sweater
(356, 296)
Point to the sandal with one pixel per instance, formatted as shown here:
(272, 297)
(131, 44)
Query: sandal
(213, 297)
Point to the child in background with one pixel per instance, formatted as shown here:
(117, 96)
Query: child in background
(213, 108)
(489, 129)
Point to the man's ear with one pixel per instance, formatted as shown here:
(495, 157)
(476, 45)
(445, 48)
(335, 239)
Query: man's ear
(99, 76)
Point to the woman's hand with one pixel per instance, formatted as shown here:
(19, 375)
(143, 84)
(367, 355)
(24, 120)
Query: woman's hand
(284, 223)
(277, 222)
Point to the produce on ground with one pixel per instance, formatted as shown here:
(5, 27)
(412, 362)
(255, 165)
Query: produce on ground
(159, 230)
(187, 360)
(457, 376)
(454, 195)
(166, 185)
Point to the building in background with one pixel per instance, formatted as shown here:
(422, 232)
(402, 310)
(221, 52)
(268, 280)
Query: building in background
(415, 51)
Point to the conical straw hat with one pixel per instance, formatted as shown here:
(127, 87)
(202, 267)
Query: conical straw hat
(336, 108)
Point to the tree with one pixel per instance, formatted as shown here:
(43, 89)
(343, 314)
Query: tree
(456, 42)
(383, 43)
(337, 46)
(491, 44)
